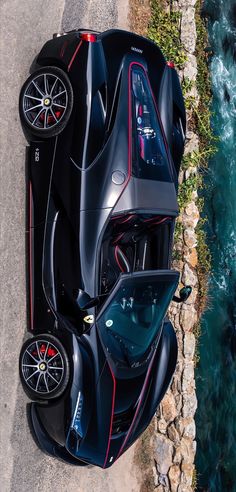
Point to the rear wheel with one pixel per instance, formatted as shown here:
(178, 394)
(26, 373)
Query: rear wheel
(44, 367)
(46, 102)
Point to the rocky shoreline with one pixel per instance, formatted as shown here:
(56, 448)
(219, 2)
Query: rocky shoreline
(173, 441)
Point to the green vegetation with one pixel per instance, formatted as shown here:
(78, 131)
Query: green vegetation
(186, 190)
(204, 264)
(197, 159)
(207, 147)
(164, 30)
(194, 480)
(177, 236)
(187, 85)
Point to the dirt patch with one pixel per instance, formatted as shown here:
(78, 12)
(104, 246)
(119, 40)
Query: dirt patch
(139, 15)
(143, 458)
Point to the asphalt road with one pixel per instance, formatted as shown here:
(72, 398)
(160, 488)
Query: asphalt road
(25, 26)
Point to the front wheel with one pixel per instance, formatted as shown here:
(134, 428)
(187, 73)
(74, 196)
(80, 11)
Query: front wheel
(44, 367)
(46, 102)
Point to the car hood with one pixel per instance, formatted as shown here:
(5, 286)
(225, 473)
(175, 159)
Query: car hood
(104, 429)
(101, 415)
(122, 408)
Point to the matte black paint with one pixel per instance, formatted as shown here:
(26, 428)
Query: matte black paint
(72, 199)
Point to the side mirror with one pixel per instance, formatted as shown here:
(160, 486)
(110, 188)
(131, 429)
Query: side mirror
(84, 300)
(184, 294)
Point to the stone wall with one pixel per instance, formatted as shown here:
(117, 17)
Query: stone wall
(174, 442)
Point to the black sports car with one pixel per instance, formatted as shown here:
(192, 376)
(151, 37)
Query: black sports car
(104, 117)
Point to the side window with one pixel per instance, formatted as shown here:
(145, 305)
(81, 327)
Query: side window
(150, 159)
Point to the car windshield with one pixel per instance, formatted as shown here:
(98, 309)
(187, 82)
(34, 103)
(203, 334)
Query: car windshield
(132, 320)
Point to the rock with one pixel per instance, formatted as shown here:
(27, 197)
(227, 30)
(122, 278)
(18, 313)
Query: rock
(190, 69)
(187, 474)
(174, 445)
(180, 425)
(162, 425)
(191, 210)
(190, 429)
(191, 171)
(188, 318)
(188, 276)
(155, 476)
(187, 449)
(179, 263)
(163, 480)
(192, 143)
(159, 489)
(190, 217)
(188, 382)
(189, 345)
(179, 245)
(179, 401)
(173, 433)
(189, 404)
(176, 389)
(174, 307)
(180, 343)
(186, 427)
(181, 177)
(188, 30)
(179, 335)
(168, 408)
(189, 135)
(175, 317)
(177, 456)
(192, 258)
(179, 367)
(190, 238)
(174, 477)
(182, 4)
(176, 386)
(163, 451)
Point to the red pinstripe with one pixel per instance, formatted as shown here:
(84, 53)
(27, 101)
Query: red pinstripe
(74, 55)
(112, 414)
(30, 256)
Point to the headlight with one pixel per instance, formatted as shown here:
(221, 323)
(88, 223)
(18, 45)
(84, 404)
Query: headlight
(76, 421)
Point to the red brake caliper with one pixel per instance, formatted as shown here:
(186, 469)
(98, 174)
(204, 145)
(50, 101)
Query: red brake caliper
(51, 352)
(42, 348)
(50, 118)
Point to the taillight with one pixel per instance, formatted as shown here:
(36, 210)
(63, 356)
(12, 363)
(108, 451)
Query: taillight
(170, 64)
(86, 36)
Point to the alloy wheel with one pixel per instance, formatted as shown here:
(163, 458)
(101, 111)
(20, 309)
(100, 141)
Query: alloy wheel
(42, 367)
(45, 101)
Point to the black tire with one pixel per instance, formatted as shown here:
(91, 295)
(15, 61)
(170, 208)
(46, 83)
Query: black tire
(46, 125)
(43, 383)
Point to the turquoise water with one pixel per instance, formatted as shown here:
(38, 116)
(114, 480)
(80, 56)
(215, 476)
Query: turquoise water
(216, 373)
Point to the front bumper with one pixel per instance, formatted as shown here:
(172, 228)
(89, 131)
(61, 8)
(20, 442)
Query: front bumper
(45, 442)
